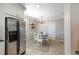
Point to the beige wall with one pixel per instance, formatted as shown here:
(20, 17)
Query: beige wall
(74, 26)
(71, 17)
(71, 27)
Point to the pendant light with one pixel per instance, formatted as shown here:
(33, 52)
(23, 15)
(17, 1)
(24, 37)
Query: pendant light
(41, 19)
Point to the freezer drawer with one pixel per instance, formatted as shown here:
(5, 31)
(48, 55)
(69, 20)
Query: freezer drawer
(2, 49)
(12, 48)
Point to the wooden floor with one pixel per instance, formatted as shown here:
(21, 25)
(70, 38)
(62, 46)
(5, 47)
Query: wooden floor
(54, 48)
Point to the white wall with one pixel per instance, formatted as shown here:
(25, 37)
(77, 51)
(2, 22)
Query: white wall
(54, 28)
(49, 11)
(54, 10)
(29, 34)
(51, 29)
(2, 30)
(59, 30)
(43, 27)
(29, 31)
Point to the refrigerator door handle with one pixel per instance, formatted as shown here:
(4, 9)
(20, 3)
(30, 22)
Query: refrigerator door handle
(1, 40)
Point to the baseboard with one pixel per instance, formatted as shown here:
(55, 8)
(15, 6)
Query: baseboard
(77, 52)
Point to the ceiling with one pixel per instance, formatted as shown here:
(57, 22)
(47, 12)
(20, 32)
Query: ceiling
(53, 10)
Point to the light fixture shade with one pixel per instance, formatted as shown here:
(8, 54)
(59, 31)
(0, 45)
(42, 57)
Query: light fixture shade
(41, 20)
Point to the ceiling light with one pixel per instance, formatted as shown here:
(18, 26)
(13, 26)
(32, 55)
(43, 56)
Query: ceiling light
(38, 6)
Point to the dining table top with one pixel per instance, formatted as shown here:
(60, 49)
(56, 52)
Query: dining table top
(41, 33)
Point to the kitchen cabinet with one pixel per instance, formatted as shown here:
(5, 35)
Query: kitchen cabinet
(20, 12)
(2, 49)
(13, 10)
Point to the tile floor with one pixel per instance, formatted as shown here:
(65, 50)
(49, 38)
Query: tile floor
(54, 48)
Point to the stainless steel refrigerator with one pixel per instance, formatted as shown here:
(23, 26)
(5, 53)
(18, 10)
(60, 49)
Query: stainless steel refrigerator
(15, 36)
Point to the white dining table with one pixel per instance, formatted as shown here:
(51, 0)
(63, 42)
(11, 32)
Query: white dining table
(39, 38)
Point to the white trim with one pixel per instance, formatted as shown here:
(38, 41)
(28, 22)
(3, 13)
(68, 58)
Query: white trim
(9, 15)
(67, 29)
(23, 7)
(52, 18)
